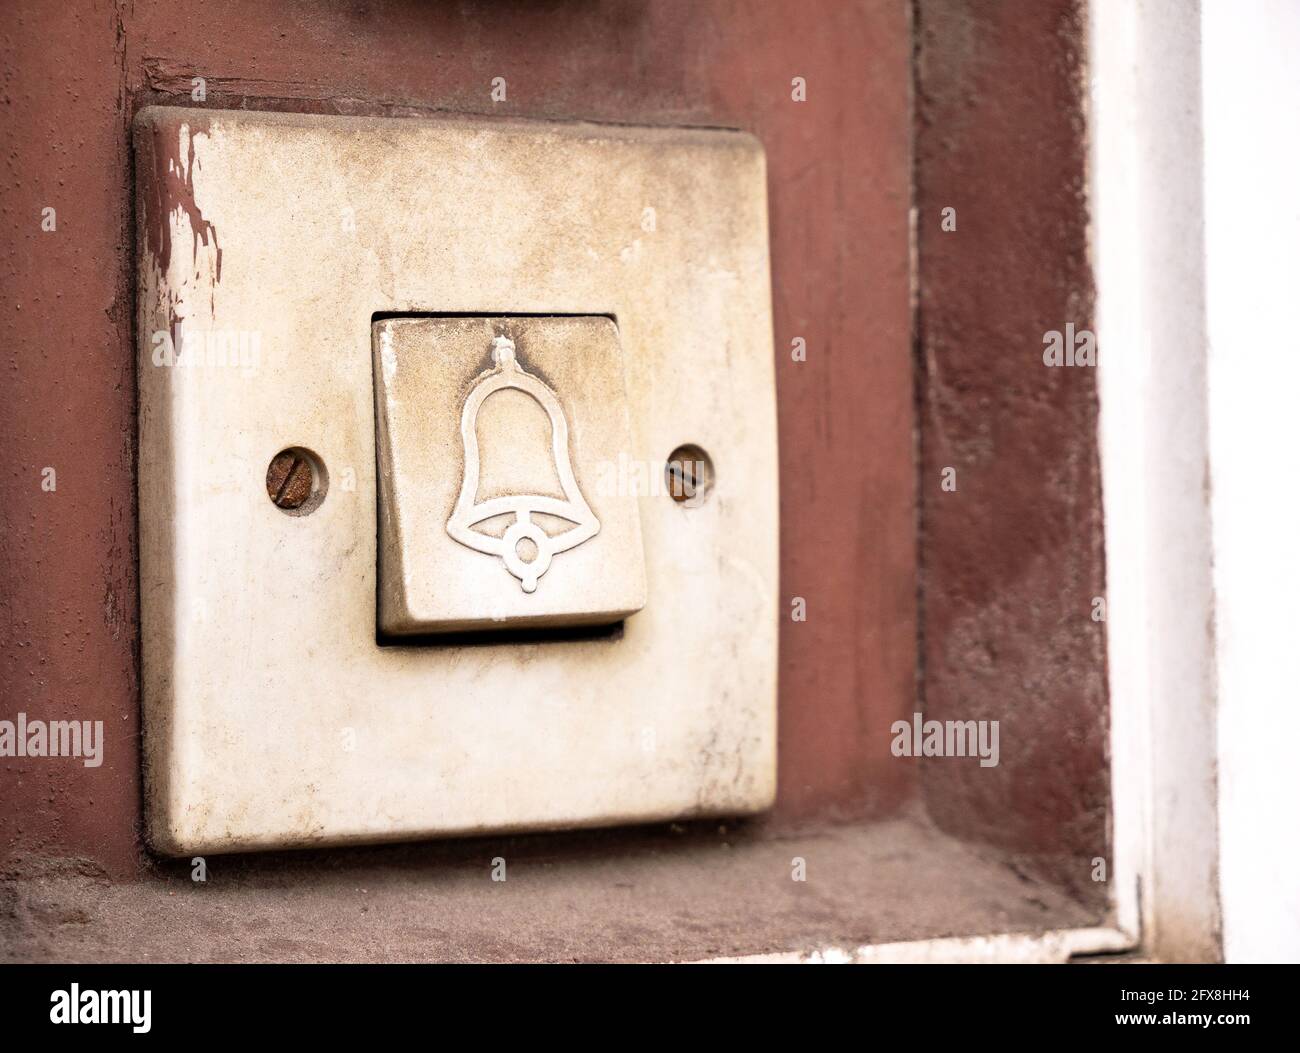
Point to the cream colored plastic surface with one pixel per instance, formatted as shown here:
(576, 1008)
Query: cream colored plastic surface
(271, 244)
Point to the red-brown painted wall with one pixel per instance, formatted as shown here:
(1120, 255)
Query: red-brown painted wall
(1011, 561)
(839, 170)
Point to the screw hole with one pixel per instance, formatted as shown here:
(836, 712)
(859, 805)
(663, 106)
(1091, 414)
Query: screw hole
(689, 475)
(296, 481)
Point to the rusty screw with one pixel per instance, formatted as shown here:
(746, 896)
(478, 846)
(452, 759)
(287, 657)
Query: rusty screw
(689, 474)
(681, 480)
(288, 480)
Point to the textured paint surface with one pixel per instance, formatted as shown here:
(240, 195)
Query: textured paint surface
(677, 894)
(1011, 561)
(68, 582)
(839, 193)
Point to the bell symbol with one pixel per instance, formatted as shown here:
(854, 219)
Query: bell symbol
(539, 547)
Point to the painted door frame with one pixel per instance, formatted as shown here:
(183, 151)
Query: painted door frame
(1186, 155)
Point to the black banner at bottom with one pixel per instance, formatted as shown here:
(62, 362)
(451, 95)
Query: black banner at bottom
(216, 1002)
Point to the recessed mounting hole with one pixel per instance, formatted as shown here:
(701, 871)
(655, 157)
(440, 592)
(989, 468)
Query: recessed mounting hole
(689, 475)
(526, 549)
(296, 481)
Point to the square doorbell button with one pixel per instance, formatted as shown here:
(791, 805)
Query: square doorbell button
(496, 439)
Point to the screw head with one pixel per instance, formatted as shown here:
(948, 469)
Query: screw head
(289, 480)
(689, 474)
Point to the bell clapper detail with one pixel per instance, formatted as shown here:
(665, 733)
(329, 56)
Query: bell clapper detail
(503, 351)
(468, 512)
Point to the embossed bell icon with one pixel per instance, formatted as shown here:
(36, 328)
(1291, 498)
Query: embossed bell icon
(524, 547)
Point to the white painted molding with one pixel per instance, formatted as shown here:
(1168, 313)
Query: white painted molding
(1148, 255)
(1056, 946)
(1252, 239)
